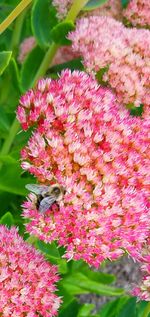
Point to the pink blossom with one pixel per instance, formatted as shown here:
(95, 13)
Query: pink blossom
(138, 13)
(123, 53)
(90, 145)
(27, 281)
(26, 47)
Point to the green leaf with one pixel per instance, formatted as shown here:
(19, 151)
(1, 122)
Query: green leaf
(72, 64)
(11, 180)
(7, 159)
(7, 219)
(100, 277)
(60, 31)
(85, 310)
(112, 308)
(70, 311)
(141, 306)
(4, 122)
(30, 67)
(129, 309)
(43, 19)
(99, 75)
(94, 4)
(48, 249)
(5, 57)
(79, 280)
(137, 111)
(13, 69)
(125, 3)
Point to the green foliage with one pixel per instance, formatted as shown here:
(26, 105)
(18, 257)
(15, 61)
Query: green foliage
(30, 67)
(94, 4)
(137, 111)
(85, 310)
(7, 219)
(124, 3)
(60, 31)
(4, 60)
(79, 283)
(99, 75)
(43, 18)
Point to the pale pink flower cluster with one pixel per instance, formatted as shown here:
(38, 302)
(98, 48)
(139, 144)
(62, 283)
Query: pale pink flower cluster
(111, 8)
(143, 289)
(27, 281)
(87, 143)
(138, 13)
(62, 7)
(124, 53)
(26, 47)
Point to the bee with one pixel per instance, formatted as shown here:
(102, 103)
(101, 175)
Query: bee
(46, 195)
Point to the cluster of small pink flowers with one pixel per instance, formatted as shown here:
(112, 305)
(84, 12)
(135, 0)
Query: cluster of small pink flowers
(138, 13)
(27, 281)
(111, 8)
(26, 47)
(124, 53)
(143, 289)
(62, 7)
(87, 143)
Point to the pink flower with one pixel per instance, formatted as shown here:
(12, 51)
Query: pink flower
(26, 47)
(87, 143)
(138, 13)
(125, 61)
(27, 281)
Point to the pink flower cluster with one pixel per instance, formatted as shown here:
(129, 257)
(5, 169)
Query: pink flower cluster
(123, 53)
(27, 281)
(138, 13)
(26, 47)
(87, 143)
(111, 8)
(143, 290)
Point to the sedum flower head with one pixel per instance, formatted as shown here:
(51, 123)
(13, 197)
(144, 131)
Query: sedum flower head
(125, 61)
(87, 143)
(27, 281)
(138, 13)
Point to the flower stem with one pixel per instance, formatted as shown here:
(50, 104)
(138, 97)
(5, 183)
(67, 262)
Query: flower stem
(46, 62)
(75, 9)
(31, 240)
(13, 15)
(8, 142)
(146, 311)
(17, 31)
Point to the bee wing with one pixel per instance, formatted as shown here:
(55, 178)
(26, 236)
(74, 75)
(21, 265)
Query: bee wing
(37, 189)
(46, 203)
